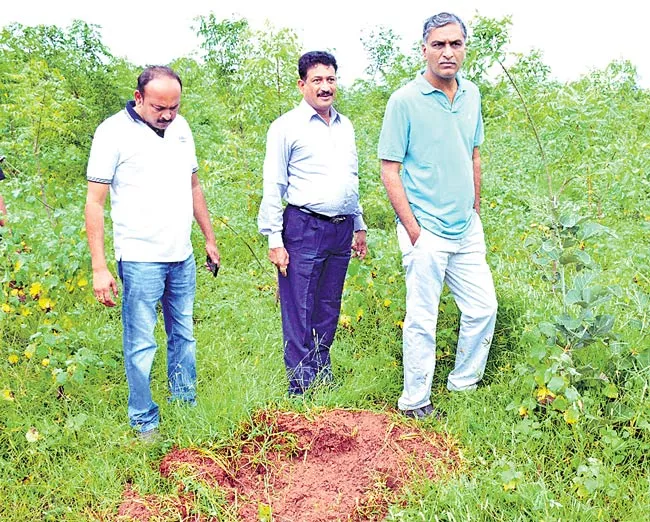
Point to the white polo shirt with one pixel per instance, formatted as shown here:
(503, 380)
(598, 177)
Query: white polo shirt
(151, 186)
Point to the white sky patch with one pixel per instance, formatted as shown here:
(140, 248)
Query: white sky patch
(575, 37)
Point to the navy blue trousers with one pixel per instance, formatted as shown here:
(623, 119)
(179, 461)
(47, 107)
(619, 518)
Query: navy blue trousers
(310, 294)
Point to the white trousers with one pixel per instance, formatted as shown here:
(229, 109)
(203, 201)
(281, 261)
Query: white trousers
(460, 263)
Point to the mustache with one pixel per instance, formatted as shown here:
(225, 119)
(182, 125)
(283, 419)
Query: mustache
(324, 93)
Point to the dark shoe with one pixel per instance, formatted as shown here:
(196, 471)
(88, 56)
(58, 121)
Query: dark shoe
(420, 413)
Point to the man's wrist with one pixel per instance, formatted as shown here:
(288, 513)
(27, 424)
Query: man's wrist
(275, 240)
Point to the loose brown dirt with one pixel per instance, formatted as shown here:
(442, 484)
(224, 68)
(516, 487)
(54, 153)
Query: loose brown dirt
(290, 467)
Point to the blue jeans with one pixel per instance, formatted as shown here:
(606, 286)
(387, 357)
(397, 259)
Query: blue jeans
(144, 285)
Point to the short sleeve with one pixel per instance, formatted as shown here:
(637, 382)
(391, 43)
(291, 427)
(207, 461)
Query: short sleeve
(103, 158)
(394, 137)
(479, 134)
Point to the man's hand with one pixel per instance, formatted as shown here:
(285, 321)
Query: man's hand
(213, 252)
(105, 287)
(414, 233)
(359, 245)
(280, 258)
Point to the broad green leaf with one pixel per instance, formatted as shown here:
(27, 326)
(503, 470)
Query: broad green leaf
(585, 259)
(569, 220)
(556, 384)
(568, 258)
(611, 391)
(591, 229)
(570, 323)
(560, 403)
(548, 329)
(572, 394)
(602, 325)
(574, 296)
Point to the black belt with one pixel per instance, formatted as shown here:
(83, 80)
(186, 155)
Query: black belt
(331, 219)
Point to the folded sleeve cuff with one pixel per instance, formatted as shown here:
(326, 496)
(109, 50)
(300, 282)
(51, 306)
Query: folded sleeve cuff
(359, 224)
(275, 240)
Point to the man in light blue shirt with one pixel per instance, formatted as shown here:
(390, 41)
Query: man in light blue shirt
(311, 163)
(432, 131)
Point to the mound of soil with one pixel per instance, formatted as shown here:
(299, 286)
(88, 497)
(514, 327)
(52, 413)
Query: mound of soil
(285, 466)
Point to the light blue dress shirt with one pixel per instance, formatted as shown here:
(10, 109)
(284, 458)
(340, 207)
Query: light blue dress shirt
(434, 140)
(309, 164)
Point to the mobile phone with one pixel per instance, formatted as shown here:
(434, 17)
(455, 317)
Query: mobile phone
(214, 267)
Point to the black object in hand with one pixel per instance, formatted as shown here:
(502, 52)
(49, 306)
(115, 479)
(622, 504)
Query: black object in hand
(214, 267)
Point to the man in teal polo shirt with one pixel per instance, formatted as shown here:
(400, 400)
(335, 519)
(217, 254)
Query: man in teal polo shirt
(431, 132)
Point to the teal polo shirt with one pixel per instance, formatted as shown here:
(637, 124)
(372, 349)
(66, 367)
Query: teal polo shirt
(434, 140)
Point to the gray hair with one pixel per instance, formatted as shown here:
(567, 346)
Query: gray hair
(440, 20)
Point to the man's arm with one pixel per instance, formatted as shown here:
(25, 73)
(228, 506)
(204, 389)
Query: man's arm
(104, 284)
(476, 164)
(397, 196)
(202, 216)
(275, 184)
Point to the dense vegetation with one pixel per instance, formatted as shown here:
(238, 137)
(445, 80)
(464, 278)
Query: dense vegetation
(560, 430)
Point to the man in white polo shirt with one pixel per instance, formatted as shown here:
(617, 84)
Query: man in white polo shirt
(145, 155)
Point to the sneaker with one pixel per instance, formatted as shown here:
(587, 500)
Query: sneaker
(420, 413)
(150, 436)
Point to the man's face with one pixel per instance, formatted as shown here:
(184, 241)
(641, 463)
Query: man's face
(319, 88)
(444, 52)
(159, 104)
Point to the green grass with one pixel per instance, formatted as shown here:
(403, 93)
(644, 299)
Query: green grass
(521, 460)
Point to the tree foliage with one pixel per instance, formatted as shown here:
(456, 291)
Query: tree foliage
(565, 208)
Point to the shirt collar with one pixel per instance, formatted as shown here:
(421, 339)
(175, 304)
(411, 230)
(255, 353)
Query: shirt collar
(310, 112)
(426, 88)
(130, 109)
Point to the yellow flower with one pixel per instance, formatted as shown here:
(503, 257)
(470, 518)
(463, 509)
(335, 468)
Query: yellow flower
(14, 292)
(359, 314)
(571, 416)
(544, 395)
(35, 289)
(25, 312)
(29, 352)
(523, 411)
(7, 308)
(510, 486)
(493, 204)
(7, 395)
(82, 282)
(45, 362)
(387, 302)
(399, 324)
(345, 321)
(46, 303)
(18, 265)
(13, 358)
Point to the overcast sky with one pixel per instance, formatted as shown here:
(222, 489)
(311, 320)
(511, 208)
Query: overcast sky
(574, 36)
